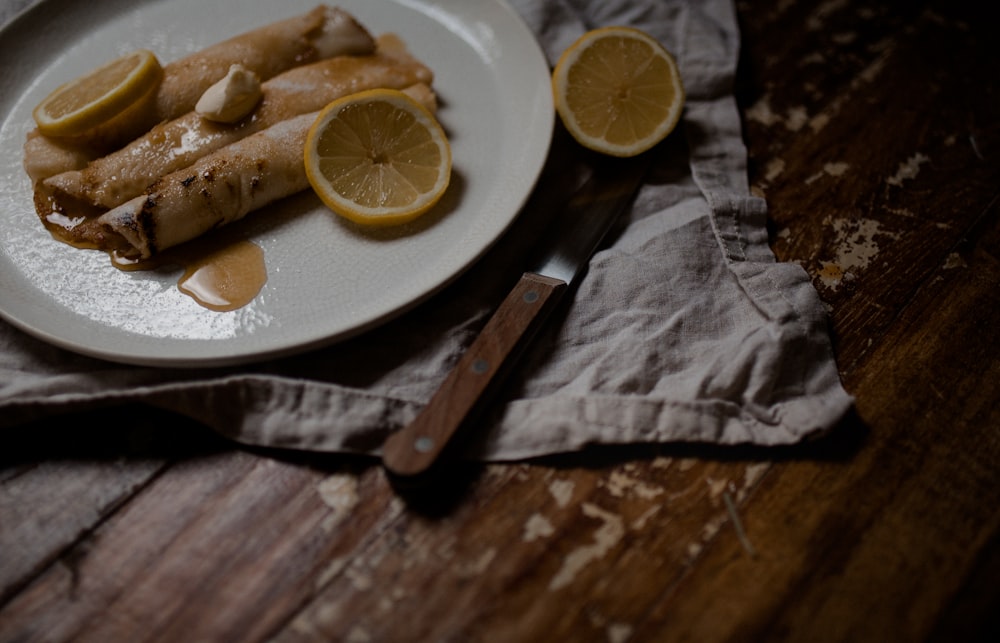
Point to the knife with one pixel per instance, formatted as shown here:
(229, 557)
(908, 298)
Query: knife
(575, 234)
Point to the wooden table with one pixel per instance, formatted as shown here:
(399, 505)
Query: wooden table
(873, 132)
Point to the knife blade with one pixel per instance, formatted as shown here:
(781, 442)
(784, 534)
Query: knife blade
(574, 234)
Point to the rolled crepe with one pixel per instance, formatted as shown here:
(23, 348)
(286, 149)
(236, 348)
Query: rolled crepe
(218, 189)
(113, 179)
(322, 33)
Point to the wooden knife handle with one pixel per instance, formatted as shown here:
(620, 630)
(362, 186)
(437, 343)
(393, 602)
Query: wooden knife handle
(415, 447)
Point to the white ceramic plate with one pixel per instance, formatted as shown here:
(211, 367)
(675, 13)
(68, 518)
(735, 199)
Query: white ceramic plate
(327, 280)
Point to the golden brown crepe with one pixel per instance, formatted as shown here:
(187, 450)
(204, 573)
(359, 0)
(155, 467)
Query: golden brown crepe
(188, 175)
(113, 179)
(319, 34)
(219, 188)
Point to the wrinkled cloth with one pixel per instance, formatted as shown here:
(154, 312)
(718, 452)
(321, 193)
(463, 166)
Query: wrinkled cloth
(684, 328)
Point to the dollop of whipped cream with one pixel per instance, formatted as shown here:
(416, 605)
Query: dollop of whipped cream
(232, 98)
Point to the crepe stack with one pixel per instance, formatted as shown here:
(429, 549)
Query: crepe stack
(165, 175)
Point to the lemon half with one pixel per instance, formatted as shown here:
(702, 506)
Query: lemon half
(618, 91)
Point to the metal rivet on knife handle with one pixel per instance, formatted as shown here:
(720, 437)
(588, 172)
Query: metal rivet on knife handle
(412, 449)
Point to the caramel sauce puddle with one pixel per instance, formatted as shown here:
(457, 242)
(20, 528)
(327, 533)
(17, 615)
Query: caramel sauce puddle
(226, 279)
(220, 274)
(221, 277)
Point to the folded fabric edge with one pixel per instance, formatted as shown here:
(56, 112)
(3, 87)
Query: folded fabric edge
(532, 428)
(783, 292)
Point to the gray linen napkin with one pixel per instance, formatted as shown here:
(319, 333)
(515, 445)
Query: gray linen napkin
(685, 328)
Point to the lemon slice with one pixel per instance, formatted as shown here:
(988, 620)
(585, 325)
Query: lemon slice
(99, 96)
(618, 91)
(378, 157)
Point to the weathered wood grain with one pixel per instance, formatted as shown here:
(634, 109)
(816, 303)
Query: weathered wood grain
(870, 140)
(875, 547)
(58, 483)
(564, 554)
(49, 507)
(221, 541)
